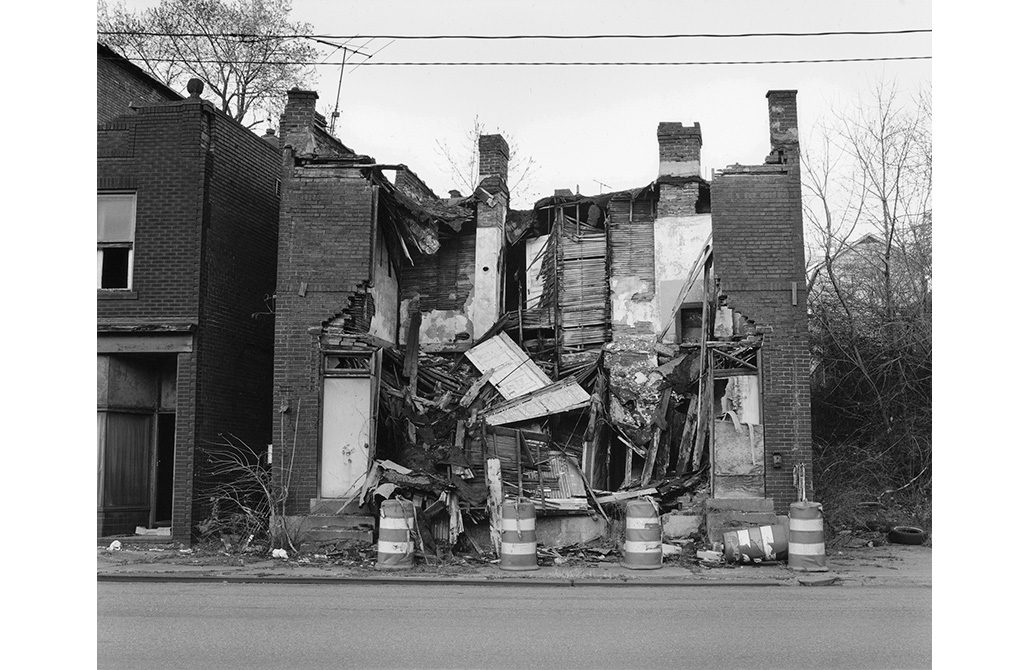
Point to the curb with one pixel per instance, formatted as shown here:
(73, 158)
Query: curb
(276, 579)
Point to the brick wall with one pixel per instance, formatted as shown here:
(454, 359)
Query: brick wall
(205, 189)
(240, 235)
(120, 84)
(758, 253)
(325, 253)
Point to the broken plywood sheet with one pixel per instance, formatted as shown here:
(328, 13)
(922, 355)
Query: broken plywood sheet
(561, 396)
(514, 375)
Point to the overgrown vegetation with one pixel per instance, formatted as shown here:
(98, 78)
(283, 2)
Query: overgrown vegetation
(246, 495)
(868, 209)
(243, 50)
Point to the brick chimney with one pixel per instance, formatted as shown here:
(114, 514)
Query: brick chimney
(783, 127)
(679, 149)
(491, 214)
(493, 160)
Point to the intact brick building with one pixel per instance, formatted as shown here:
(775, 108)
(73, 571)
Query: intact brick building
(187, 219)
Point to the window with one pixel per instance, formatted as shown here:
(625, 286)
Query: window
(690, 324)
(116, 227)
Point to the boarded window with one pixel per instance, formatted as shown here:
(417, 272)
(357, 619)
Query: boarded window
(127, 447)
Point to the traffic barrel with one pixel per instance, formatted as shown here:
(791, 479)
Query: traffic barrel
(642, 549)
(396, 528)
(518, 535)
(806, 546)
(755, 544)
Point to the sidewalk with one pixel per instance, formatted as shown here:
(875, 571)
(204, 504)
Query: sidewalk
(890, 565)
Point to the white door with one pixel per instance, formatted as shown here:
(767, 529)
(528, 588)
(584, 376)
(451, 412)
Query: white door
(346, 424)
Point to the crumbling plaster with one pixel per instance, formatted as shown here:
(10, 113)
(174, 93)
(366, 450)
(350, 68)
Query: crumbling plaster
(678, 242)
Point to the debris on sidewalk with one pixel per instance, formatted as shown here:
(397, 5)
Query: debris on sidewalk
(115, 546)
(280, 553)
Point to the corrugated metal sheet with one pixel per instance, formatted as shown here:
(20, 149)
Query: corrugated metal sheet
(514, 373)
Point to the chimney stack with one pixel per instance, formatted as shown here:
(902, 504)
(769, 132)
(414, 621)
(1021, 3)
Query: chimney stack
(679, 149)
(493, 159)
(783, 127)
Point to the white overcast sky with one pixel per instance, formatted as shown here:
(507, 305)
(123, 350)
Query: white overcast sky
(582, 124)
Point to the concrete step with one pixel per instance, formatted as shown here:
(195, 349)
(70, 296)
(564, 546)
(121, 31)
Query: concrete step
(739, 504)
(334, 506)
(336, 535)
(341, 521)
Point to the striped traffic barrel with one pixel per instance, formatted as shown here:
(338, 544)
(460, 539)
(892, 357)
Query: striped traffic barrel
(755, 544)
(642, 549)
(396, 527)
(806, 548)
(518, 535)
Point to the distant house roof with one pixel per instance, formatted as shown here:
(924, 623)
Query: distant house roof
(107, 53)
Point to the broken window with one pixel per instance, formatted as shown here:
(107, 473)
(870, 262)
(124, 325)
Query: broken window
(690, 329)
(116, 228)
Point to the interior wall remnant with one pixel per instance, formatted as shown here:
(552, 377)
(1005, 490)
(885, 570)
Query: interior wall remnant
(486, 298)
(678, 241)
(534, 268)
(384, 292)
(633, 304)
(440, 326)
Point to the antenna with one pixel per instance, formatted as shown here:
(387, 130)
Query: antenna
(599, 185)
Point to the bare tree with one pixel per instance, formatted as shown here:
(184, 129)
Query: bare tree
(867, 204)
(240, 49)
(463, 161)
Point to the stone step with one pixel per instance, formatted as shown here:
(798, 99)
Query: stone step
(343, 521)
(739, 504)
(311, 535)
(680, 524)
(334, 506)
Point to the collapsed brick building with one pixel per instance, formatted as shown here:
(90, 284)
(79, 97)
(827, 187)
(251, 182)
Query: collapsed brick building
(650, 341)
(187, 216)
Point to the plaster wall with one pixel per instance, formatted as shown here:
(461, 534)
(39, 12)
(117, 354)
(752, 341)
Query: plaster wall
(486, 294)
(678, 241)
(534, 265)
(384, 293)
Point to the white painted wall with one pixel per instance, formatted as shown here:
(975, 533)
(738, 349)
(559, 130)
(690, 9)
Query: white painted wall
(534, 266)
(385, 293)
(678, 241)
(486, 297)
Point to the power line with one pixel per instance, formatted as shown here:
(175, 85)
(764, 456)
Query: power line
(624, 36)
(556, 63)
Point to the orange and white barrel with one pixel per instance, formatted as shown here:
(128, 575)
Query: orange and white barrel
(806, 546)
(396, 529)
(518, 535)
(642, 549)
(755, 544)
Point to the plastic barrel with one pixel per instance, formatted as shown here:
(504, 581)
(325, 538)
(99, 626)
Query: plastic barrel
(396, 525)
(755, 544)
(806, 547)
(518, 535)
(642, 549)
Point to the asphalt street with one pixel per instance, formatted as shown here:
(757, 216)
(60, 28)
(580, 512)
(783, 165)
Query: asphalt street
(143, 625)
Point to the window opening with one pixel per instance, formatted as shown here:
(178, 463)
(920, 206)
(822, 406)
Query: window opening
(116, 229)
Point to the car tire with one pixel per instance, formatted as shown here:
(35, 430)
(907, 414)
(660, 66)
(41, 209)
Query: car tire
(906, 535)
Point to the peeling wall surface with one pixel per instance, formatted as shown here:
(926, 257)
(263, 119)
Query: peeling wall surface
(487, 286)
(678, 241)
(384, 295)
(439, 326)
(633, 302)
(534, 266)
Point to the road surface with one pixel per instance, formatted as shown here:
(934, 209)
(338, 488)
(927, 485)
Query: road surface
(148, 625)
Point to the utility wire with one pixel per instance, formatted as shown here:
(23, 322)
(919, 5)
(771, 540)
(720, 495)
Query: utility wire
(553, 63)
(632, 36)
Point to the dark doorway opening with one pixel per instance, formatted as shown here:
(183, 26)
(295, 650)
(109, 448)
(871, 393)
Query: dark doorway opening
(165, 469)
